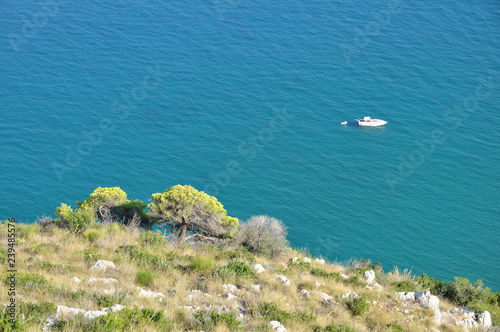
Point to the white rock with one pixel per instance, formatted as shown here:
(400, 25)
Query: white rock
(151, 294)
(277, 326)
(258, 268)
(75, 279)
(230, 288)
(284, 280)
(468, 322)
(295, 259)
(114, 308)
(256, 288)
(406, 311)
(110, 291)
(318, 284)
(231, 297)
(103, 265)
(344, 276)
(51, 322)
(94, 314)
(484, 319)
(429, 301)
(306, 260)
(67, 312)
(320, 261)
(305, 293)
(350, 295)
(464, 312)
(369, 276)
(100, 281)
(409, 296)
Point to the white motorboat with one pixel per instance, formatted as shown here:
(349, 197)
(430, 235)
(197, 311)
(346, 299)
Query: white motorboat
(369, 122)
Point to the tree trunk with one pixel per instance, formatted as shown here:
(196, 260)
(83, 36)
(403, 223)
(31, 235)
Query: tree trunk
(182, 234)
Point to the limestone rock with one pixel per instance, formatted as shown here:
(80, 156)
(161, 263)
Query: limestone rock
(484, 319)
(151, 294)
(258, 268)
(103, 265)
(306, 260)
(230, 296)
(350, 295)
(75, 279)
(114, 308)
(305, 293)
(100, 281)
(295, 260)
(230, 288)
(409, 296)
(429, 301)
(256, 288)
(277, 326)
(369, 276)
(284, 280)
(344, 276)
(320, 261)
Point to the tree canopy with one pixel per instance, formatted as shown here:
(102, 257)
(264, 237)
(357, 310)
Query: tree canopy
(109, 204)
(186, 209)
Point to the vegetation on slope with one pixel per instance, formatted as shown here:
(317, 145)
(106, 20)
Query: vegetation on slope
(208, 286)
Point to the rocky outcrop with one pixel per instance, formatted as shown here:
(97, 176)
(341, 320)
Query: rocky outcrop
(151, 294)
(350, 295)
(369, 276)
(100, 281)
(408, 296)
(103, 265)
(276, 326)
(258, 268)
(320, 261)
(284, 280)
(64, 313)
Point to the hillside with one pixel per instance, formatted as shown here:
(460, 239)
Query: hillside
(155, 285)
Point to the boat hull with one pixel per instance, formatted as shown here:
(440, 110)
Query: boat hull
(373, 123)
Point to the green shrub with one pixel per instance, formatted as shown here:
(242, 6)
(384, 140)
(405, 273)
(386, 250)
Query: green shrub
(236, 269)
(396, 327)
(37, 313)
(357, 306)
(25, 231)
(338, 328)
(240, 253)
(202, 264)
(271, 312)
(144, 278)
(153, 239)
(356, 281)
(106, 300)
(30, 281)
(5, 322)
(207, 320)
(436, 287)
(405, 286)
(44, 248)
(93, 234)
(145, 259)
(463, 292)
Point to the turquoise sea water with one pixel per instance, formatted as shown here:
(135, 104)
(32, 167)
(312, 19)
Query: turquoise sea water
(244, 99)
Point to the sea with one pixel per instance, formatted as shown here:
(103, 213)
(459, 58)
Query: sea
(244, 100)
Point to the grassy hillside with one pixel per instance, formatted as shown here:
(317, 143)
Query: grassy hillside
(191, 283)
